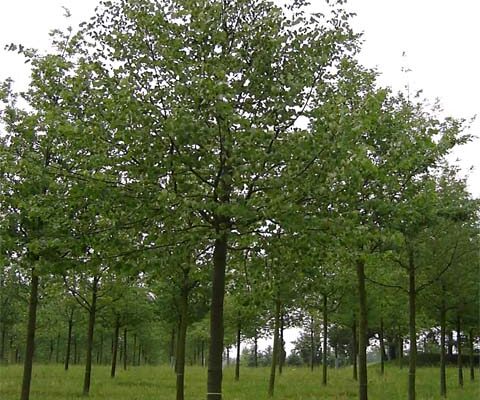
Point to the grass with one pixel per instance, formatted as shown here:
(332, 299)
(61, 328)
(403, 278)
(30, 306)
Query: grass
(50, 382)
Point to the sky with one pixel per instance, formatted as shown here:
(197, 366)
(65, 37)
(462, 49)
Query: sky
(438, 37)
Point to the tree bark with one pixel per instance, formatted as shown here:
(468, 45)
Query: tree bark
(354, 349)
(75, 350)
(181, 344)
(239, 341)
(255, 349)
(382, 349)
(276, 348)
(57, 349)
(362, 332)
(443, 376)
(325, 333)
(400, 351)
(115, 347)
(214, 374)
(30, 345)
(91, 327)
(312, 343)
(100, 351)
(450, 343)
(459, 350)
(134, 349)
(125, 358)
(281, 357)
(412, 327)
(2, 344)
(172, 348)
(472, 361)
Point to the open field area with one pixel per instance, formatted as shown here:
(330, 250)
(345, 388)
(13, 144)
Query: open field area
(158, 383)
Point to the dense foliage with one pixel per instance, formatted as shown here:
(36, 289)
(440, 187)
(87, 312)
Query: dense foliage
(184, 176)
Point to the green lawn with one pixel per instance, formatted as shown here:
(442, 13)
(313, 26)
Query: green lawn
(50, 382)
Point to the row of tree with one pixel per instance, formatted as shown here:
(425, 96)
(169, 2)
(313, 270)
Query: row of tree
(176, 162)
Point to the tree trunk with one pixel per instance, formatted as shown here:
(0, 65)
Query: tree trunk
(400, 351)
(255, 350)
(172, 348)
(202, 353)
(472, 363)
(214, 374)
(325, 333)
(134, 349)
(312, 343)
(362, 332)
(276, 348)
(52, 348)
(354, 349)
(443, 376)
(75, 350)
(100, 352)
(115, 347)
(125, 349)
(181, 344)
(281, 358)
(91, 326)
(30, 345)
(382, 349)
(459, 350)
(57, 349)
(450, 343)
(412, 327)
(2, 344)
(239, 341)
(140, 350)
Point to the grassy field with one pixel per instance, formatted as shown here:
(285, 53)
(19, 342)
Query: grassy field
(50, 382)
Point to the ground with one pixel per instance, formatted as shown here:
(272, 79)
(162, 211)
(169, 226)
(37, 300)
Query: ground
(50, 382)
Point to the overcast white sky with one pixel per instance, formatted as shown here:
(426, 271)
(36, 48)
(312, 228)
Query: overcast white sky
(440, 38)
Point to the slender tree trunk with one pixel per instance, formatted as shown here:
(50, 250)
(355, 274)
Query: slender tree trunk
(276, 348)
(472, 361)
(354, 349)
(134, 349)
(91, 327)
(239, 342)
(255, 349)
(181, 344)
(172, 348)
(362, 332)
(125, 349)
(214, 374)
(75, 349)
(140, 350)
(57, 349)
(228, 355)
(450, 343)
(115, 347)
(202, 351)
(443, 376)
(312, 343)
(382, 349)
(281, 358)
(100, 353)
(52, 348)
(2, 344)
(400, 351)
(30, 345)
(459, 350)
(325, 337)
(412, 327)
